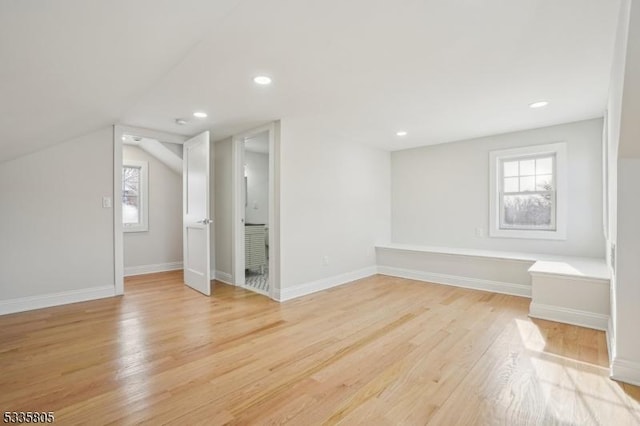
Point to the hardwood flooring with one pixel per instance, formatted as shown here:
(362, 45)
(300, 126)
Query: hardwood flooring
(378, 351)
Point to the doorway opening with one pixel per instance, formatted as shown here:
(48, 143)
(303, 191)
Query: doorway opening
(150, 203)
(255, 227)
(256, 201)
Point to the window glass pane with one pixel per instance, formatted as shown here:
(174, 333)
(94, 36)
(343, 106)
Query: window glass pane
(527, 211)
(510, 168)
(544, 166)
(130, 210)
(130, 195)
(527, 183)
(544, 183)
(130, 180)
(511, 184)
(527, 167)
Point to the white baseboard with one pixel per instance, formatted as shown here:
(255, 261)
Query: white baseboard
(222, 277)
(457, 281)
(625, 371)
(150, 269)
(569, 316)
(323, 284)
(29, 303)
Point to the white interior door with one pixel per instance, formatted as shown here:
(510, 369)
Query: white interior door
(196, 215)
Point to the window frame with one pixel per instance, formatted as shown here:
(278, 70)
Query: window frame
(559, 193)
(143, 196)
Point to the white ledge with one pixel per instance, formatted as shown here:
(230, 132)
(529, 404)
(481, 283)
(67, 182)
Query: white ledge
(595, 269)
(508, 255)
(584, 267)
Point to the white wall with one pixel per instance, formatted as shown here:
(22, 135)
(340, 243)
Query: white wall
(628, 261)
(614, 114)
(257, 210)
(335, 197)
(162, 243)
(624, 196)
(440, 193)
(55, 236)
(223, 203)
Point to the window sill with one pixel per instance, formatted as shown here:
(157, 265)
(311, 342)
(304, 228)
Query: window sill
(136, 229)
(524, 234)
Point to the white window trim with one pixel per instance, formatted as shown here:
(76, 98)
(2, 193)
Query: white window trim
(143, 197)
(561, 189)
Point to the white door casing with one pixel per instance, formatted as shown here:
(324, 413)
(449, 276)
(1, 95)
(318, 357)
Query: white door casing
(196, 211)
(238, 212)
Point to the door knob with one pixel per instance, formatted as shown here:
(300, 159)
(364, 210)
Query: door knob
(205, 221)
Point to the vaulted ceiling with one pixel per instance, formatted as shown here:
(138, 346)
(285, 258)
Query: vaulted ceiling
(442, 71)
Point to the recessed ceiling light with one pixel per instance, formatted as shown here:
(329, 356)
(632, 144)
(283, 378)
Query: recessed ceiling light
(262, 80)
(539, 104)
(181, 121)
(401, 133)
(200, 114)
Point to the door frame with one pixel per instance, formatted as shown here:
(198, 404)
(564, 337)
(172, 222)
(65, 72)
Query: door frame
(119, 131)
(238, 209)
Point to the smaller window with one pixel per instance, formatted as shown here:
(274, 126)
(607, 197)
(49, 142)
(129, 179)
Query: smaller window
(135, 199)
(528, 192)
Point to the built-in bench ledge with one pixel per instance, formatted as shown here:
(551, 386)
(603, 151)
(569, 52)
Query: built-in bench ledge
(489, 270)
(573, 290)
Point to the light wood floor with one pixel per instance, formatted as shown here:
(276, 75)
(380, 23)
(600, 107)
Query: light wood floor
(378, 351)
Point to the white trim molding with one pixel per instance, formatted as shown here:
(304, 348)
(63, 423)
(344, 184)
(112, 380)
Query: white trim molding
(150, 269)
(118, 235)
(300, 290)
(625, 371)
(611, 340)
(29, 303)
(458, 281)
(569, 316)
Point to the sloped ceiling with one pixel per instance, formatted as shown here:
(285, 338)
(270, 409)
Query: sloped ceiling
(71, 66)
(443, 71)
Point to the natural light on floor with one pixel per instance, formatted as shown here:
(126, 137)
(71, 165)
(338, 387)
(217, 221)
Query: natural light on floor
(576, 391)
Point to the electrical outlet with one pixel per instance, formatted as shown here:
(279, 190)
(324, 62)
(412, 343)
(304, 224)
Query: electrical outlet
(479, 232)
(325, 260)
(106, 202)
